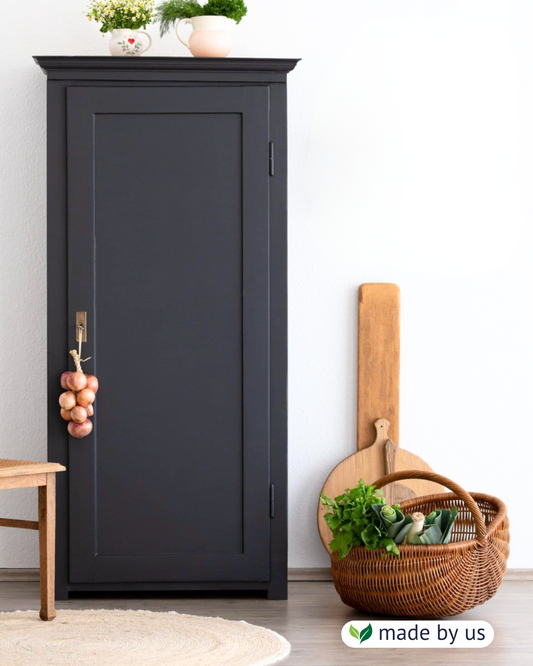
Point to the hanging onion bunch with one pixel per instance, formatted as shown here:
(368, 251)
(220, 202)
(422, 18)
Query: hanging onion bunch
(76, 402)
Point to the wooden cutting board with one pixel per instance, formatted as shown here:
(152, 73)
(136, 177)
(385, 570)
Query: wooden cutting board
(378, 361)
(378, 399)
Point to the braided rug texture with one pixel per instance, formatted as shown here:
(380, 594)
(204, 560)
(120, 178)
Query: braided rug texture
(135, 638)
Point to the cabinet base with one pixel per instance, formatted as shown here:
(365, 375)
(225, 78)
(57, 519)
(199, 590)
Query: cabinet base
(270, 590)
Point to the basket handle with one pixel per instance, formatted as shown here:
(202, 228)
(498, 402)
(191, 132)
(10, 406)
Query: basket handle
(481, 530)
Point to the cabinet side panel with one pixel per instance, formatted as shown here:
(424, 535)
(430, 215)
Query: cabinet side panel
(57, 312)
(278, 341)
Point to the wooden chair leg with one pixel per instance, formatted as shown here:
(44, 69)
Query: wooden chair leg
(47, 546)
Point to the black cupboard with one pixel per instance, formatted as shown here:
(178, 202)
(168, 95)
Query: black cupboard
(167, 222)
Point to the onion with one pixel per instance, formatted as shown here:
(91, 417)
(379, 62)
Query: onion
(80, 430)
(77, 381)
(64, 378)
(86, 397)
(79, 414)
(65, 414)
(92, 382)
(90, 410)
(67, 400)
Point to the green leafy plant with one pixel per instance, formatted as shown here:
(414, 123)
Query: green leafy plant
(117, 14)
(353, 520)
(232, 9)
(363, 636)
(360, 517)
(172, 10)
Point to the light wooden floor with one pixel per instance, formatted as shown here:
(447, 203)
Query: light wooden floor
(312, 619)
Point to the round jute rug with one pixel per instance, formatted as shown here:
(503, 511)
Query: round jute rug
(135, 638)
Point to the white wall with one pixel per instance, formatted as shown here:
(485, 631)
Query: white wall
(411, 142)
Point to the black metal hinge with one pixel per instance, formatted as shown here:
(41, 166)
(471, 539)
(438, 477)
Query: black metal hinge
(271, 158)
(272, 501)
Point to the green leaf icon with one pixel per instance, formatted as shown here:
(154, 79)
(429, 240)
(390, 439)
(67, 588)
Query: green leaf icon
(354, 632)
(365, 633)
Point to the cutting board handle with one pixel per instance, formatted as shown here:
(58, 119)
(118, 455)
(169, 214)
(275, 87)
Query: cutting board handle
(469, 501)
(382, 429)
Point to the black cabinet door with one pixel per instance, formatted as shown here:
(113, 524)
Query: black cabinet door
(168, 228)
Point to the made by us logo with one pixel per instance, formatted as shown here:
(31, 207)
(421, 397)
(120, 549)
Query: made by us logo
(418, 634)
(363, 636)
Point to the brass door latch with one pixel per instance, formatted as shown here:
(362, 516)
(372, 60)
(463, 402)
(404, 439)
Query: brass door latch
(81, 327)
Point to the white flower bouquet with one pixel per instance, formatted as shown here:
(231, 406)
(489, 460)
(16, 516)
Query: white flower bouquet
(121, 14)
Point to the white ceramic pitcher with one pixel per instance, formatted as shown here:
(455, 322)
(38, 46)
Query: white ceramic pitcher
(126, 42)
(211, 37)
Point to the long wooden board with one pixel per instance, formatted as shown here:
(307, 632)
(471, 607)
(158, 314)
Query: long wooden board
(378, 362)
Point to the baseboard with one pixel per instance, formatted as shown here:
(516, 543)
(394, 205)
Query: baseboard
(309, 574)
(19, 575)
(519, 574)
(322, 574)
(295, 574)
(32, 575)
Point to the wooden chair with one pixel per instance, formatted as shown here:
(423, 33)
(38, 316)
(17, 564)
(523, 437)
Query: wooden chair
(24, 474)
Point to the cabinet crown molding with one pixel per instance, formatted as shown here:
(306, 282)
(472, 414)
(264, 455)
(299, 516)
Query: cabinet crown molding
(68, 67)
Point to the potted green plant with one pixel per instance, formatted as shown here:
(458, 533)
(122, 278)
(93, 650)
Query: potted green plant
(212, 24)
(123, 19)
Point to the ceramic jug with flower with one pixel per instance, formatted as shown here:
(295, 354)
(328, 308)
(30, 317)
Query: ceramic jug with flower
(126, 42)
(126, 20)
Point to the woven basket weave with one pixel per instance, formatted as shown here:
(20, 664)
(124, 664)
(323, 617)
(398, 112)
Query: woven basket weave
(431, 581)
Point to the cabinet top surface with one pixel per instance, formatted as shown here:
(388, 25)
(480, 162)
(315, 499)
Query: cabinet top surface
(71, 64)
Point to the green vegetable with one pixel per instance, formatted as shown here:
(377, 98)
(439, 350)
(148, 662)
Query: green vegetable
(360, 517)
(354, 521)
(437, 527)
(417, 527)
(394, 522)
(172, 10)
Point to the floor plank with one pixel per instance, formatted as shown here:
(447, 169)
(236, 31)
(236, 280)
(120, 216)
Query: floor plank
(312, 619)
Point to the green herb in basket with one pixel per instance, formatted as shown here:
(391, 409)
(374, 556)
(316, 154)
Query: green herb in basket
(354, 521)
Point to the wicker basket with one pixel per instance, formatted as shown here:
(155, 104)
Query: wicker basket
(431, 581)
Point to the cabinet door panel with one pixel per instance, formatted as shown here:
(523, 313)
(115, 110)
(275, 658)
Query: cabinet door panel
(168, 254)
